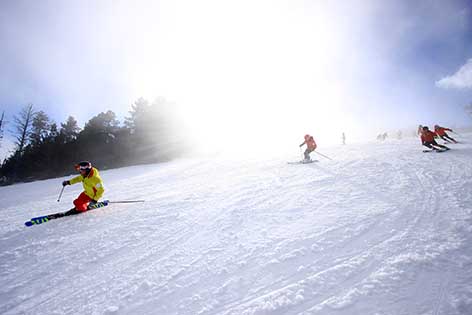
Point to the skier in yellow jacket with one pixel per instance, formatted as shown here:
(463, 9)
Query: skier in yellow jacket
(93, 187)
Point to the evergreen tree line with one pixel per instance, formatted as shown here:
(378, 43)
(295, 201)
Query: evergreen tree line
(44, 149)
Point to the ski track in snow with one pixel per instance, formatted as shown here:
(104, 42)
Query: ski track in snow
(381, 229)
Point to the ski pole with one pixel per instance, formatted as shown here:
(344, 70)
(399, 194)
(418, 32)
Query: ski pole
(323, 155)
(126, 201)
(60, 195)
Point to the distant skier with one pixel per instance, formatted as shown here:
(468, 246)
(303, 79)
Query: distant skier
(441, 132)
(399, 134)
(344, 138)
(93, 188)
(310, 147)
(420, 130)
(427, 139)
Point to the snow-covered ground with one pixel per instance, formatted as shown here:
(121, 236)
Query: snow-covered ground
(381, 229)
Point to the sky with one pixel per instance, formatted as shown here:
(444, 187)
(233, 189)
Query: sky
(243, 75)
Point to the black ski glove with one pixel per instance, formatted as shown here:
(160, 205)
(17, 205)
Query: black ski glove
(65, 183)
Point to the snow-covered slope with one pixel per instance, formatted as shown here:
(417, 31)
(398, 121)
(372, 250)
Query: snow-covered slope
(381, 229)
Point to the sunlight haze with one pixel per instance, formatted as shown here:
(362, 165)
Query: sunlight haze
(245, 75)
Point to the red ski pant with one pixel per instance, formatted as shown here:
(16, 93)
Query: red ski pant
(82, 202)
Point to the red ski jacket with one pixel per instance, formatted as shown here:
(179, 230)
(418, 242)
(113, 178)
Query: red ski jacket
(310, 142)
(441, 131)
(427, 136)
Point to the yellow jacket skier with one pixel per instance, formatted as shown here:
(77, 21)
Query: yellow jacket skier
(93, 186)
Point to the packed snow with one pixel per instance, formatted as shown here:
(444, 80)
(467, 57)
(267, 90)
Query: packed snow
(383, 228)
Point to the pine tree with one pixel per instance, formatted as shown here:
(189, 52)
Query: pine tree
(103, 123)
(53, 132)
(40, 128)
(96, 141)
(138, 112)
(153, 131)
(70, 130)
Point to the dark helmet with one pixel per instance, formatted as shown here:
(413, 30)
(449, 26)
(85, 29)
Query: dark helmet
(425, 128)
(84, 166)
(436, 126)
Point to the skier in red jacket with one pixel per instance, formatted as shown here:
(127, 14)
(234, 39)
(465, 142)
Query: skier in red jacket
(427, 139)
(441, 132)
(310, 147)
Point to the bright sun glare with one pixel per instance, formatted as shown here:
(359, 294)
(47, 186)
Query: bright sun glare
(247, 77)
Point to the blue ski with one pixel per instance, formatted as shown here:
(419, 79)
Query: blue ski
(46, 218)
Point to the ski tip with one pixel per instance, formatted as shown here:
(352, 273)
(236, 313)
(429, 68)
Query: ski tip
(37, 220)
